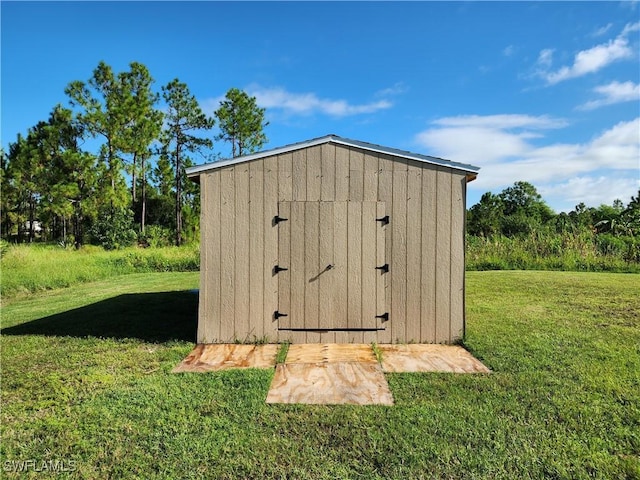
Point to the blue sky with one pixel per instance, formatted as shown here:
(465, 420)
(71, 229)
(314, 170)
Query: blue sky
(545, 92)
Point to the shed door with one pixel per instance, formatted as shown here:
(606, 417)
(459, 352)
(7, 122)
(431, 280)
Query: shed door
(327, 258)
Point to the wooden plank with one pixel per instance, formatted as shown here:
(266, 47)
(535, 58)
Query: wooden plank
(227, 254)
(204, 323)
(297, 270)
(370, 186)
(414, 250)
(330, 353)
(340, 283)
(256, 249)
(270, 204)
(312, 268)
(327, 279)
(342, 174)
(285, 177)
(354, 264)
(369, 272)
(353, 383)
(328, 188)
(385, 194)
(429, 358)
(443, 256)
(211, 273)
(399, 254)
(299, 175)
(314, 173)
(284, 261)
(212, 358)
(356, 175)
(381, 303)
(243, 329)
(428, 270)
(457, 255)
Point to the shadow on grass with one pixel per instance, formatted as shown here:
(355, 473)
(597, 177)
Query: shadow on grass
(151, 317)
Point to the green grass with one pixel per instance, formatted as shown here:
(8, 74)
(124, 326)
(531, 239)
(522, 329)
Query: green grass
(85, 377)
(31, 268)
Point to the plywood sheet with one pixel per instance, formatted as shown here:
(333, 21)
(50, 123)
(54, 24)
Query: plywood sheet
(429, 358)
(329, 353)
(330, 383)
(213, 357)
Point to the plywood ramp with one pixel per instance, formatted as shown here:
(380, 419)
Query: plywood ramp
(330, 374)
(214, 357)
(330, 353)
(429, 358)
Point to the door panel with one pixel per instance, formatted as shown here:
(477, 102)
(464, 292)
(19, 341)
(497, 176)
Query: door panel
(331, 251)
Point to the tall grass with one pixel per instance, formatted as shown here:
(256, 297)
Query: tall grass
(30, 268)
(544, 251)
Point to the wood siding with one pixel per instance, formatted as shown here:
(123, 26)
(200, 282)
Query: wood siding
(423, 245)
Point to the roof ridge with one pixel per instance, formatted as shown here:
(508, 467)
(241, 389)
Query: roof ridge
(197, 169)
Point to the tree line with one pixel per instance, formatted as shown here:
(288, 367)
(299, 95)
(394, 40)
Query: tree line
(132, 185)
(519, 212)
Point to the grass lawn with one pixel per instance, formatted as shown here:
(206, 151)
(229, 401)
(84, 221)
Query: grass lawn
(85, 378)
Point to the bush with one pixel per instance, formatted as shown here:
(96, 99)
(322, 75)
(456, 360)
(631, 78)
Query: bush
(113, 229)
(157, 236)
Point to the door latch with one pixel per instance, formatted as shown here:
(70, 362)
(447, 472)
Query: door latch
(383, 220)
(384, 268)
(384, 317)
(277, 315)
(277, 219)
(277, 269)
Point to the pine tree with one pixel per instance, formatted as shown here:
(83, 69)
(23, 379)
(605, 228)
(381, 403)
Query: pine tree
(103, 113)
(241, 122)
(143, 127)
(184, 117)
(70, 174)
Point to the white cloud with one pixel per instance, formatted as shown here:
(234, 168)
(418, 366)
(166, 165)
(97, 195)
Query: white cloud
(602, 30)
(614, 92)
(630, 27)
(592, 191)
(309, 103)
(502, 121)
(590, 60)
(506, 154)
(398, 88)
(210, 105)
(545, 59)
(508, 50)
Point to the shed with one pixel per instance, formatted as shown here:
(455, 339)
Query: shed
(332, 240)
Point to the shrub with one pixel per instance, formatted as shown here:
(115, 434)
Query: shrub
(157, 236)
(113, 229)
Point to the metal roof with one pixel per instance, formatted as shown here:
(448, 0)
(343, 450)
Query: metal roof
(198, 169)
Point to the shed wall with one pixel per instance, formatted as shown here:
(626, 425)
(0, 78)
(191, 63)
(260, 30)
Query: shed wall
(424, 242)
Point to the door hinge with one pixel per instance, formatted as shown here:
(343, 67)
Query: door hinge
(277, 315)
(384, 317)
(384, 268)
(277, 269)
(277, 219)
(383, 220)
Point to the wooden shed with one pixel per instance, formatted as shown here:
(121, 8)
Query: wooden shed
(332, 240)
